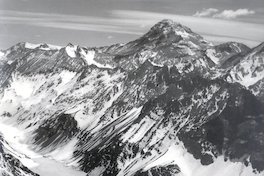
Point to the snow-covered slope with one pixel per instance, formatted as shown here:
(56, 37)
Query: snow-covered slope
(223, 54)
(167, 103)
(250, 69)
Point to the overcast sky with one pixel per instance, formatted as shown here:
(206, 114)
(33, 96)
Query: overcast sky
(105, 22)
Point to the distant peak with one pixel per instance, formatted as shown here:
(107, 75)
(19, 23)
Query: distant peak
(168, 29)
(232, 47)
(44, 45)
(260, 46)
(167, 23)
(20, 44)
(70, 45)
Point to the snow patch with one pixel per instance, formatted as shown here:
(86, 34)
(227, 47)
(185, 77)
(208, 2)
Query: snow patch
(37, 163)
(97, 171)
(89, 58)
(2, 54)
(14, 137)
(71, 50)
(190, 166)
(145, 55)
(66, 77)
(54, 47)
(238, 49)
(65, 153)
(31, 45)
(211, 54)
(90, 121)
(183, 34)
(154, 64)
(22, 87)
(48, 167)
(23, 90)
(249, 71)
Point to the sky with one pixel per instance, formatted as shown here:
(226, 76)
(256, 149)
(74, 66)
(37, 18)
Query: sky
(105, 22)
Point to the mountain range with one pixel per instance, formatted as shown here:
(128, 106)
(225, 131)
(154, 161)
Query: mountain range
(167, 104)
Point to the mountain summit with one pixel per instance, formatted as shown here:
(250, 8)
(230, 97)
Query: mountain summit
(169, 103)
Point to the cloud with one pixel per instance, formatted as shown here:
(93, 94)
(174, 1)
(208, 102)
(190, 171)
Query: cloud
(69, 22)
(251, 32)
(206, 12)
(231, 14)
(226, 14)
(87, 27)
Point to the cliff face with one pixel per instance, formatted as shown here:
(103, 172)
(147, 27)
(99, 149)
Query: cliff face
(168, 103)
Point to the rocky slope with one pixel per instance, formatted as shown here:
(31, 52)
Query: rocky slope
(168, 103)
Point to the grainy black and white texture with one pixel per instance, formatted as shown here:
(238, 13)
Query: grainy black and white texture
(169, 103)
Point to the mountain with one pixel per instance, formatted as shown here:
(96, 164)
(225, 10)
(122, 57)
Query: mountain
(169, 103)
